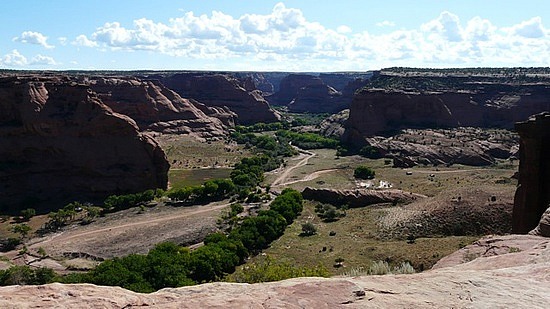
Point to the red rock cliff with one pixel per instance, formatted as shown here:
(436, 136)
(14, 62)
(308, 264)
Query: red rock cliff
(219, 90)
(60, 143)
(395, 102)
(155, 107)
(533, 193)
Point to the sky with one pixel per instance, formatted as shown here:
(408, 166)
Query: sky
(265, 35)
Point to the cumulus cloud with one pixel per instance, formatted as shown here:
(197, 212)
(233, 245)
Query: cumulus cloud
(82, 40)
(285, 36)
(14, 59)
(42, 60)
(32, 37)
(531, 28)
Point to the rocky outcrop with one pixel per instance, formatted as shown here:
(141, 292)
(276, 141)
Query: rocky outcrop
(222, 90)
(390, 102)
(468, 146)
(543, 228)
(333, 126)
(506, 272)
(533, 193)
(155, 107)
(359, 198)
(60, 143)
(318, 99)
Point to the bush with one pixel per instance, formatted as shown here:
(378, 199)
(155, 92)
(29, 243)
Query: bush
(267, 270)
(308, 229)
(363, 172)
(27, 214)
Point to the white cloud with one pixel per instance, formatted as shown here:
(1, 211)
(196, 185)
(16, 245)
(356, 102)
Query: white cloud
(82, 40)
(284, 37)
(385, 23)
(62, 40)
(343, 29)
(14, 59)
(531, 28)
(42, 60)
(32, 37)
(447, 25)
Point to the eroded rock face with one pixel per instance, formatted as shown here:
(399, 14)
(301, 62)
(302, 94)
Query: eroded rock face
(359, 198)
(60, 143)
(507, 272)
(316, 94)
(333, 126)
(155, 107)
(219, 90)
(533, 192)
(391, 102)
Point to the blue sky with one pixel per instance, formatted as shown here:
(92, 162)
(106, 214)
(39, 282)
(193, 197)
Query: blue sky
(307, 35)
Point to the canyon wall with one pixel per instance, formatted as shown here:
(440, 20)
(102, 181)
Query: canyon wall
(389, 103)
(533, 193)
(60, 143)
(222, 90)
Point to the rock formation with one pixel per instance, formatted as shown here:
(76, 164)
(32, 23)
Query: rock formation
(359, 198)
(308, 93)
(533, 193)
(498, 272)
(394, 101)
(222, 90)
(60, 143)
(290, 85)
(333, 126)
(155, 107)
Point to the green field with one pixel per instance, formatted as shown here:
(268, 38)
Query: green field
(179, 178)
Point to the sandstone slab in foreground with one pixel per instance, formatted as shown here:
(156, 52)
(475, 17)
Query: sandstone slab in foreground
(510, 272)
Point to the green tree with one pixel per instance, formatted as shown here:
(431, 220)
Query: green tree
(21, 229)
(363, 172)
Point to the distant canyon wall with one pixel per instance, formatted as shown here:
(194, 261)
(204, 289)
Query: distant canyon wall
(391, 103)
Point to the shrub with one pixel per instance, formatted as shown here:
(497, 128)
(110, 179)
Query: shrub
(308, 229)
(27, 214)
(268, 270)
(363, 172)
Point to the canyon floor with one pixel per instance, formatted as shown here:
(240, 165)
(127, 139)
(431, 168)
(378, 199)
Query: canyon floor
(365, 235)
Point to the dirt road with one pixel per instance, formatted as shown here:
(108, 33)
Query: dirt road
(283, 178)
(131, 233)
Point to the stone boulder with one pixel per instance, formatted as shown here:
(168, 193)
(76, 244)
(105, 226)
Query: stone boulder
(533, 192)
(223, 90)
(60, 143)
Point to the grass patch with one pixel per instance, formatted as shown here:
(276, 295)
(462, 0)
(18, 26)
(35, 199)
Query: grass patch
(354, 241)
(180, 178)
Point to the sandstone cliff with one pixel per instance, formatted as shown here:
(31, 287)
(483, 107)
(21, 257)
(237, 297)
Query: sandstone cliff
(60, 143)
(390, 102)
(498, 272)
(155, 107)
(316, 94)
(533, 193)
(222, 90)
